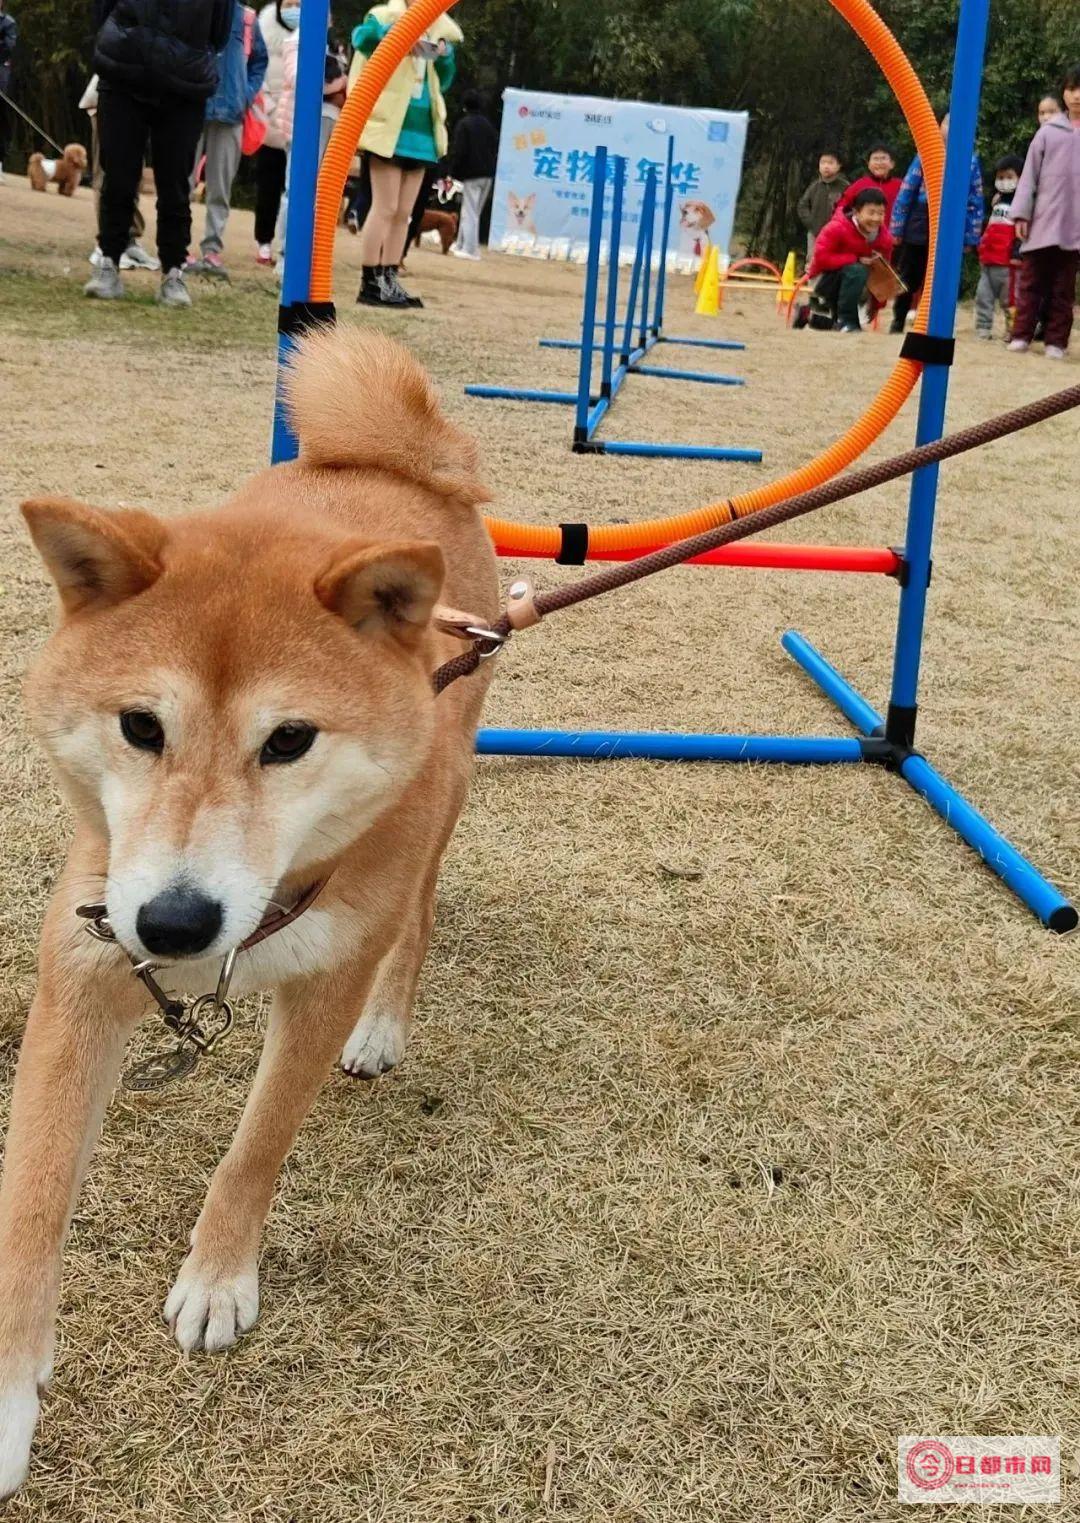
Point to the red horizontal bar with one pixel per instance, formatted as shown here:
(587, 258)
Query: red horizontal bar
(777, 557)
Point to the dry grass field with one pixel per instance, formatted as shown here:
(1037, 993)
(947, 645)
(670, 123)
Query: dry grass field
(737, 1135)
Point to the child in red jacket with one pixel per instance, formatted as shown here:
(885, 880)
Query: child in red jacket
(845, 250)
(997, 249)
(881, 175)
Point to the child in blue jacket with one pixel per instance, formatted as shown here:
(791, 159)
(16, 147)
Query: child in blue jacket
(910, 228)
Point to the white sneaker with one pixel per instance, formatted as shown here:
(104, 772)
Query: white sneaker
(1019, 346)
(1054, 352)
(105, 283)
(265, 255)
(135, 257)
(173, 292)
(95, 257)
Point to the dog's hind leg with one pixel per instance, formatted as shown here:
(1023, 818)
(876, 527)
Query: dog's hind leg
(377, 1041)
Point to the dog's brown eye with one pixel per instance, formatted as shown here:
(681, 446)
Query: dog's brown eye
(287, 742)
(141, 728)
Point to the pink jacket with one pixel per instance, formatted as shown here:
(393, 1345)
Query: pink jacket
(1048, 195)
(281, 122)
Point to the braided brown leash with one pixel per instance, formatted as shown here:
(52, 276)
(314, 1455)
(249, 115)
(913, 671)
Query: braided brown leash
(621, 575)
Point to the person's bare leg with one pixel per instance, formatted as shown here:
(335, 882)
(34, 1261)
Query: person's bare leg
(376, 233)
(408, 191)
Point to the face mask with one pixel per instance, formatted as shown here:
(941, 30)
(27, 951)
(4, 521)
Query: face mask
(290, 16)
(1005, 186)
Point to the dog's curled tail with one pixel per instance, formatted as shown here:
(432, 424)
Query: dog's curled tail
(356, 397)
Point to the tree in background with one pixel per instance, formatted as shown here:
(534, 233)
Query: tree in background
(794, 65)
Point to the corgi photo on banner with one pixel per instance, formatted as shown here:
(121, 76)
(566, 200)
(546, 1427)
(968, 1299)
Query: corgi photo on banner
(262, 797)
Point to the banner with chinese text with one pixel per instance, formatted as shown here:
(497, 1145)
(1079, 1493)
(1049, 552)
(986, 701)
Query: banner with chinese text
(543, 185)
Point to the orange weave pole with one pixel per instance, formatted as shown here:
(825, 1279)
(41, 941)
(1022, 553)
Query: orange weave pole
(545, 539)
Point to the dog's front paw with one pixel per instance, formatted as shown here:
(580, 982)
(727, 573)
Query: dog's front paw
(18, 1419)
(209, 1309)
(377, 1044)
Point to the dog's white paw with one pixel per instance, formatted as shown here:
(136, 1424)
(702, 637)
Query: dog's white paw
(377, 1044)
(18, 1419)
(209, 1311)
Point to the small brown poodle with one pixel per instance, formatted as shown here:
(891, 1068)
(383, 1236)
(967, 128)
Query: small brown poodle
(65, 172)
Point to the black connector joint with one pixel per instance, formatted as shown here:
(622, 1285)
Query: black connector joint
(575, 543)
(302, 315)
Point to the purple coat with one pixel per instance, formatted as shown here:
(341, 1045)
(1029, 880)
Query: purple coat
(1048, 195)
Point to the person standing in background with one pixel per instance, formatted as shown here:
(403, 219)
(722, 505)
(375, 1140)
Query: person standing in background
(880, 175)
(241, 69)
(911, 229)
(157, 65)
(9, 35)
(134, 256)
(474, 151)
(1046, 215)
(819, 200)
(405, 133)
(1047, 109)
(276, 22)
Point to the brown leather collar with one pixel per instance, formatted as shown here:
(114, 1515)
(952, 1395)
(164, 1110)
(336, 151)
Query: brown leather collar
(276, 919)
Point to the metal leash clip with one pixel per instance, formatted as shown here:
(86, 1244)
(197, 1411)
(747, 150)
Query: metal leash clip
(200, 1024)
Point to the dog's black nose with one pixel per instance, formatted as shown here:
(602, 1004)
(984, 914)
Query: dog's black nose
(178, 922)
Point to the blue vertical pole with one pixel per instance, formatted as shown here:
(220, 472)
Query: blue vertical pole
(948, 260)
(294, 314)
(631, 301)
(665, 232)
(592, 277)
(611, 306)
(648, 217)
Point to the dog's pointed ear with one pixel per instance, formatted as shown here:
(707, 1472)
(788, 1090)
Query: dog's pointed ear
(96, 556)
(387, 586)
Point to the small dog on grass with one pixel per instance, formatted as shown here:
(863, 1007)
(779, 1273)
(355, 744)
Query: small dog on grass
(238, 705)
(65, 173)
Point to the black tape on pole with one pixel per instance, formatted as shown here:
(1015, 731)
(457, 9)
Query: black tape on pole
(928, 350)
(575, 545)
(302, 315)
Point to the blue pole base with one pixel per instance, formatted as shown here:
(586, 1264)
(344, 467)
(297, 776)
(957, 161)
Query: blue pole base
(523, 394)
(678, 451)
(1026, 882)
(701, 343)
(667, 374)
(602, 745)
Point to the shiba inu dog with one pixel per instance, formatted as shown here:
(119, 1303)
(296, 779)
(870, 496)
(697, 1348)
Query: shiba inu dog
(238, 707)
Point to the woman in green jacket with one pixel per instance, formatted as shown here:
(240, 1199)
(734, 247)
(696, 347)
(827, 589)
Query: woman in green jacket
(405, 133)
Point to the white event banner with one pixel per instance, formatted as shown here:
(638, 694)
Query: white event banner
(547, 153)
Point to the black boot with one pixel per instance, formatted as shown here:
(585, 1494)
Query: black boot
(371, 291)
(392, 285)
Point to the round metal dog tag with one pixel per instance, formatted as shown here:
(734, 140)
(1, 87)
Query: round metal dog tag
(162, 1068)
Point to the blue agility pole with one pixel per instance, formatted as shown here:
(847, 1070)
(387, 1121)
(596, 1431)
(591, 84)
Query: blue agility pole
(678, 451)
(648, 217)
(592, 279)
(707, 376)
(611, 303)
(604, 745)
(665, 234)
(295, 312)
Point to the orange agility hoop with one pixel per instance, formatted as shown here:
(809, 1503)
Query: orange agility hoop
(546, 539)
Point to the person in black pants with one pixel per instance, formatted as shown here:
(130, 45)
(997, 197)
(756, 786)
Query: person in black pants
(269, 187)
(8, 37)
(157, 62)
